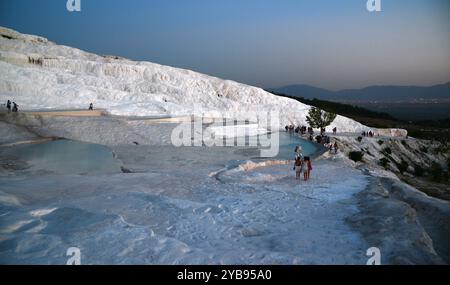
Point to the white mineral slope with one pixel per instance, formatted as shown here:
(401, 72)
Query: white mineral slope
(39, 74)
(13, 134)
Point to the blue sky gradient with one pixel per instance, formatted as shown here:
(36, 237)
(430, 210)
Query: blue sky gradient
(267, 43)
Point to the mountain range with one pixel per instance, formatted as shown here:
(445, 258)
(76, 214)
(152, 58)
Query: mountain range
(370, 94)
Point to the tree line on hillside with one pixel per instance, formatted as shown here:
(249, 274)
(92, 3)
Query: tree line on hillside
(339, 108)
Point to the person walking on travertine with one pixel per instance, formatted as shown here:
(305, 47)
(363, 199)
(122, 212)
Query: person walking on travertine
(307, 167)
(298, 167)
(8, 106)
(298, 152)
(15, 108)
(336, 148)
(91, 107)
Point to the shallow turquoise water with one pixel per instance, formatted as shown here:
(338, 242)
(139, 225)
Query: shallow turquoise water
(289, 141)
(74, 157)
(69, 157)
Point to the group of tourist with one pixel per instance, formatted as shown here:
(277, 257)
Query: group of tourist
(368, 134)
(320, 139)
(302, 130)
(326, 142)
(302, 164)
(333, 147)
(299, 129)
(12, 106)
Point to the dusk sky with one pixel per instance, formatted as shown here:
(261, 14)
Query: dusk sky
(325, 43)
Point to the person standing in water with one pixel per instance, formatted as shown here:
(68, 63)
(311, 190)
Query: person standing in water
(298, 167)
(307, 167)
(298, 152)
(15, 107)
(8, 106)
(91, 107)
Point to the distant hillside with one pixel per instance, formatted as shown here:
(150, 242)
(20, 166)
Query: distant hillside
(436, 130)
(372, 93)
(340, 108)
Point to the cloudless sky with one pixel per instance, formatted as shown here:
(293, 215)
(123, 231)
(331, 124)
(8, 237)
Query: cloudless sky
(333, 44)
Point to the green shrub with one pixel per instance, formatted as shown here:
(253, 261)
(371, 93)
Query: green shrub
(380, 142)
(418, 170)
(384, 162)
(441, 149)
(356, 155)
(436, 172)
(404, 143)
(359, 139)
(388, 150)
(423, 149)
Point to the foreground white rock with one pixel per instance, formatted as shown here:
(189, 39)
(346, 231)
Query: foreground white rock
(39, 74)
(172, 211)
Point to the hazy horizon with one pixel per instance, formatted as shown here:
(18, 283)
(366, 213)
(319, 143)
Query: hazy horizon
(333, 45)
(357, 88)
